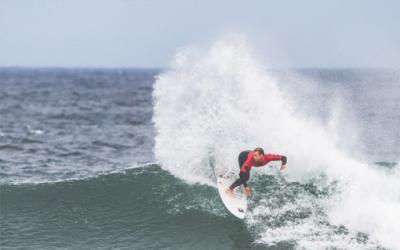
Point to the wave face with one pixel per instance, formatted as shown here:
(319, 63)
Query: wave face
(141, 208)
(148, 208)
(210, 106)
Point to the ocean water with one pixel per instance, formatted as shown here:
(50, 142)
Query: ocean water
(125, 158)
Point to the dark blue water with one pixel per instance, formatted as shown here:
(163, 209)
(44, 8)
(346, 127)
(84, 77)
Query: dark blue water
(67, 124)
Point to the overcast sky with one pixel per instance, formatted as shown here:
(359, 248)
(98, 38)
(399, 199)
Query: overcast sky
(147, 33)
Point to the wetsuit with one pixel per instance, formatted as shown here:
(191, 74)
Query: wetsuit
(246, 162)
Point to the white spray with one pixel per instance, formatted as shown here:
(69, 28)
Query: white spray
(208, 107)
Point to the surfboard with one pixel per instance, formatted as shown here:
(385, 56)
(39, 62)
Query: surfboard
(235, 203)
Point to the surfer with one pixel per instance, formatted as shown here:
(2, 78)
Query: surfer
(256, 158)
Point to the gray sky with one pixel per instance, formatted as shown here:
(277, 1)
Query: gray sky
(147, 33)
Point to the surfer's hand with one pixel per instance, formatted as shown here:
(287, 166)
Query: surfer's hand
(247, 190)
(283, 167)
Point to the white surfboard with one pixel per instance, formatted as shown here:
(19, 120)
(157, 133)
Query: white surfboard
(236, 203)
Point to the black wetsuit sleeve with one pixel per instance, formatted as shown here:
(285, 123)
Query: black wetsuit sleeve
(284, 160)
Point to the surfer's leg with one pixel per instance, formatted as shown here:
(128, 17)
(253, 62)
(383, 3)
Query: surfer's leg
(244, 177)
(237, 183)
(241, 159)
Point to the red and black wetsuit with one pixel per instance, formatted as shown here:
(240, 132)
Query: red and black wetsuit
(246, 162)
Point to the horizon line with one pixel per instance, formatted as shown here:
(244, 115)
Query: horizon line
(167, 68)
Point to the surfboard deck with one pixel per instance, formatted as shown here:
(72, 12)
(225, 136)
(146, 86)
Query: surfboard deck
(235, 203)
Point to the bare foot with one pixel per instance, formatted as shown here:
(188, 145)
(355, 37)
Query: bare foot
(247, 191)
(229, 191)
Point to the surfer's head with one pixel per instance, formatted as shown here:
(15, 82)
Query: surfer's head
(258, 154)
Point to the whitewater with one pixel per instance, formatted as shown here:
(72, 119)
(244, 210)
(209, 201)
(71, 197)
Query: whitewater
(210, 104)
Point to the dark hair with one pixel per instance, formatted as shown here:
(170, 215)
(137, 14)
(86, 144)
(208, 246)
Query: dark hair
(259, 150)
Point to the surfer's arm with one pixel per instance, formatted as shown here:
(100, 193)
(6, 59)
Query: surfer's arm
(276, 157)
